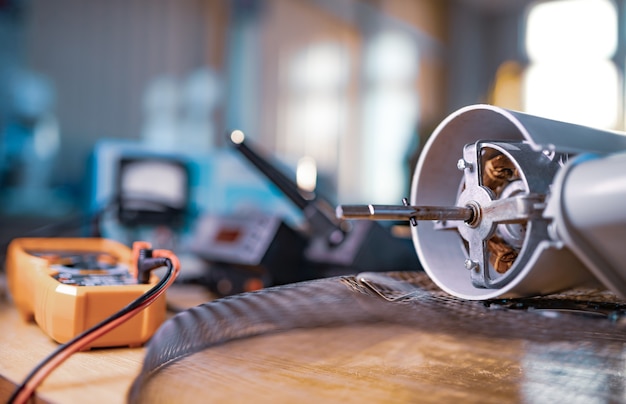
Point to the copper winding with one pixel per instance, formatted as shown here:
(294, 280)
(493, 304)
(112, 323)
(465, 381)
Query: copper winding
(498, 171)
(502, 256)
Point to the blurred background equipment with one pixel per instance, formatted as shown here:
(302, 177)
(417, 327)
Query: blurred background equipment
(153, 191)
(231, 234)
(248, 252)
(355, 85)
(136, 190)
(335, 245)
(31, 143)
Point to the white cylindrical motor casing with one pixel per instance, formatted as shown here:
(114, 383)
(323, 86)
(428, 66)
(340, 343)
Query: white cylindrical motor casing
(589, 207)
(552, 266)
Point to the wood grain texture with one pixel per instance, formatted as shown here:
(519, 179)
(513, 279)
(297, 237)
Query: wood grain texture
(393, 364)
(351, 364)
(101, 375)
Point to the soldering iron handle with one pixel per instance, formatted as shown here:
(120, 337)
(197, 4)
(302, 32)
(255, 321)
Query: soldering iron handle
(318, 213)
(278, 178)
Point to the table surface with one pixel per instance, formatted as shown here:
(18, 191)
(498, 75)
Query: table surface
(381, 363)
(103, 375)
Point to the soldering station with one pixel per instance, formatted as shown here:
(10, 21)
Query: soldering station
(198, 253)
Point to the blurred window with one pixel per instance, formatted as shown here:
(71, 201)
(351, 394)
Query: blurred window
(316, 102)
(390, 114)
(571, 75)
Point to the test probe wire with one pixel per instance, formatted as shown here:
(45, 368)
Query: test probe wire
(27, 388)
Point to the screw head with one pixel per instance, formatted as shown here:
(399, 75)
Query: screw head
(470, 264)
(462, 164)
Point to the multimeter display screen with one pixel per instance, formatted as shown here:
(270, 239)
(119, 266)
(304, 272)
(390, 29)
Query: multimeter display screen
(78, 260)
(86, 269)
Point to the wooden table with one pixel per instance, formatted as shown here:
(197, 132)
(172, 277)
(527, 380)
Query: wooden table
(380, 363)
(101, 375)
(352, 364)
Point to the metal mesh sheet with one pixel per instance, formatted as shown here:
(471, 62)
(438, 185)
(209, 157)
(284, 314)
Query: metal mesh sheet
(566, 347)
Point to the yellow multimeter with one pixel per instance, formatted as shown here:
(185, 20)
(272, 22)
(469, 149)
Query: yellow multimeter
(68, 285)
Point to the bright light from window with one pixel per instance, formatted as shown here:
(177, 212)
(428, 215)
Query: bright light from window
(315, 107)
(391, 57)
(572, 78)
(584, 93)
(320, 67)
(390, 115)
(571, 29)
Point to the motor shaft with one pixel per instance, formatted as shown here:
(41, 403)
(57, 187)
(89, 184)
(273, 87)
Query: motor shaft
(400, 212)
